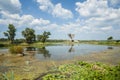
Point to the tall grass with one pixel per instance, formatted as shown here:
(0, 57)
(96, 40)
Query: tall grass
(8, 76)
(16, 49)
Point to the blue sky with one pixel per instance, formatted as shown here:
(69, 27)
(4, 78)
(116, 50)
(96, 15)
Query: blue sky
(87, 19)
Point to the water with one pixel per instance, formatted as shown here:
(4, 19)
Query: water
(61, 52)
(64, 52)
(3, 50)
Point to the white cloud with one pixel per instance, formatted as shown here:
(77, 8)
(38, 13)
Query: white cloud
(24, 20)
(91, 7)
(56, 10)
(45, 5)
(11, 6)
(39, 22)
(48, 27)
(6, 15)
(98, 16)
(107, 28)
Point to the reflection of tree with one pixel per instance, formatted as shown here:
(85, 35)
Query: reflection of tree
(110, 47)
(44, 52)
(71, 48)
(30, 49)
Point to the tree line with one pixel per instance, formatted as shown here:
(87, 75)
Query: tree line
(28, 34)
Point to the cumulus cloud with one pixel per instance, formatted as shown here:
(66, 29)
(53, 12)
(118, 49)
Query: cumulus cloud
(98, 16)
(91, 7)
(24, 20)
(39, 22)
(56, 10)
(45, 5)
(11, 6)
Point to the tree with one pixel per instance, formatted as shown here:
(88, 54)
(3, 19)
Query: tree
(10, 33)
(110, 38)
(43, 37)
(29, 35)
(71, 37)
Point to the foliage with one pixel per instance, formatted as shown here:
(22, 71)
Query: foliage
(110, 38)
(18, 41)
(29, 35)
(43, 37)
(85, 71)
(8, 76)
(16, 49)
(10, 33)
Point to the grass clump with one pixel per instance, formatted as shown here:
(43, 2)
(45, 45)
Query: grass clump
(85, 71)
(16, 49)
(7, 76)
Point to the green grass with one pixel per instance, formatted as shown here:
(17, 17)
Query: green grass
(8, 76)
(102, 42)
(84, 71)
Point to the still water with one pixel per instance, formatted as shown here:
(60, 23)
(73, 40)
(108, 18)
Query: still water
(64, 52)
(61, 52)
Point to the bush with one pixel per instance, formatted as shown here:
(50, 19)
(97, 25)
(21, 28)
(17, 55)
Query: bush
(16, 50)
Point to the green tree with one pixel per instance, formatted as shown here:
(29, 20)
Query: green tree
(10, 33)
(29, 35)
(43, 37)
(110, 38)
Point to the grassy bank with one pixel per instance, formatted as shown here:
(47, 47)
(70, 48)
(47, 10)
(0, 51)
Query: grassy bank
(82, 71)
(40, 44)
(101, 42)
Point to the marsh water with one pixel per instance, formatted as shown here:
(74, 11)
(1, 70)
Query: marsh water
(36, 61)
(61, 52)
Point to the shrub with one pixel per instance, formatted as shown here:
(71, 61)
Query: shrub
(16, 49)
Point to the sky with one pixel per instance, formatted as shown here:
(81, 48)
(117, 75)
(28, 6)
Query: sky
(87, 19)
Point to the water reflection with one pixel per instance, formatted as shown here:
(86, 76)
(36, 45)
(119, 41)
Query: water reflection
(110, 47)
(30, 49)
(71, 49)
(44, 51)
(62, 51)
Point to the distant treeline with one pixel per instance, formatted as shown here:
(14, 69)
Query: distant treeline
(23, 40)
